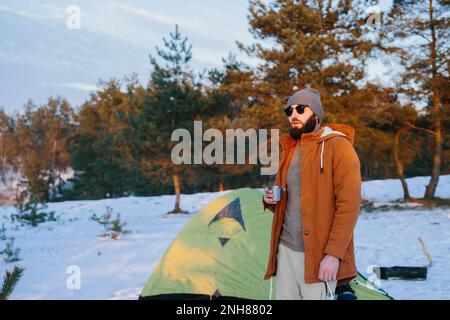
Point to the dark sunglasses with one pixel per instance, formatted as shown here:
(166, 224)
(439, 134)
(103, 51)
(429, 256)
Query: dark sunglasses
(299, 108)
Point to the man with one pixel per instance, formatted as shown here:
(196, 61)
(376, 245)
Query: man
(311, 249)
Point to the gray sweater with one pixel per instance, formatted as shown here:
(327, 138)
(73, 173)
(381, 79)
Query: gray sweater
(291, 233)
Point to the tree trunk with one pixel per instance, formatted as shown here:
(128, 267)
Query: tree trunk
(436, 113)
(435, 171)
(177, 188)
(52, 179)
(4, 169)
(399, 165)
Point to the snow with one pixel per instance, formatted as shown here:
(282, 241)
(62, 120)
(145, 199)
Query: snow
(118, 269)
(389, 239)
(391, 189)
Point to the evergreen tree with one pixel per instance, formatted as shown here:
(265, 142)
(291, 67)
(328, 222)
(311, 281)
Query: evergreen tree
(10, 280)
(418, 31)
(389, 123)
(129, 137)
(228, 94)
(98, 150)
(40, 138)
(174, 100)
(301, 43)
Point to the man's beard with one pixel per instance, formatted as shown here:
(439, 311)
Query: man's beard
(308, 127)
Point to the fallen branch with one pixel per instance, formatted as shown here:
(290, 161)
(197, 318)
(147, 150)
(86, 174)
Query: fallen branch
(430, 261)
(401, 273)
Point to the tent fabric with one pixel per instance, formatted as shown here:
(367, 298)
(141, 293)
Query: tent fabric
(222, 252)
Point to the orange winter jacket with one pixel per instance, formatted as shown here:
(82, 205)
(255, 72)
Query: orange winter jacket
(330, 199)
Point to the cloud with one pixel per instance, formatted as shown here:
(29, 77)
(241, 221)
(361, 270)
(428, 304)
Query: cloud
(145, 13)
(21, 13)
(79, 86)
(193, 27)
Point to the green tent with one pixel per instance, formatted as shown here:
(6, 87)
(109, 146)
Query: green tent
(222, 252)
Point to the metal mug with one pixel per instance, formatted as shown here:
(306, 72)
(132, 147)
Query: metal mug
(276, 192)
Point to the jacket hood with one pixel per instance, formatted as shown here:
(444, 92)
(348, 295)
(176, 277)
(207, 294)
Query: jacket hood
(337, 129)
(326, 132)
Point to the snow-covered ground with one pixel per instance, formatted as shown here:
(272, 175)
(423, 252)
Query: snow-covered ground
(118, 269)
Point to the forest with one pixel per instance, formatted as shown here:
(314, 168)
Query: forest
(118, 141)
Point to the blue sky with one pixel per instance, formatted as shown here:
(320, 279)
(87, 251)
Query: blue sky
(41, 57)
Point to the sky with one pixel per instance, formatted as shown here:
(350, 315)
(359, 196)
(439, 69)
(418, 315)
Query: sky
(41, 57)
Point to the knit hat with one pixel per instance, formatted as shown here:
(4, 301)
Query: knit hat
(308, 96)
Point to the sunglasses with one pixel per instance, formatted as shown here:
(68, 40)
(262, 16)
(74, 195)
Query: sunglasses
(299, 108)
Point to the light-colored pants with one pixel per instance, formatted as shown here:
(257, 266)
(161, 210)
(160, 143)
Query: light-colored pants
(290, 281)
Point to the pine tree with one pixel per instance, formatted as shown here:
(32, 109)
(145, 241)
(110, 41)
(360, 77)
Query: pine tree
(129, 137)
(322, 44)
(40, 138)
(10, 280)
(392, 122)
(98, 149)
(228, 94)
(174, 100)
(418, 31)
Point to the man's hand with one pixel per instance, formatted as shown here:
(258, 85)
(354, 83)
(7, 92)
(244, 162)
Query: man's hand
(329, 267)
(268, 197)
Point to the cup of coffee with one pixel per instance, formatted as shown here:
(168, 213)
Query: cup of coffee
(276, 192)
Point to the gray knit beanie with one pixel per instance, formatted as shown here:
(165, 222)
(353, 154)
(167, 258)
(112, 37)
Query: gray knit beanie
(308, 96)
